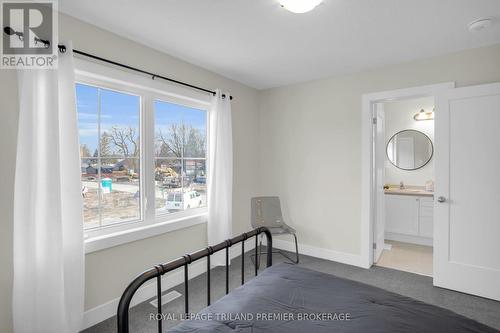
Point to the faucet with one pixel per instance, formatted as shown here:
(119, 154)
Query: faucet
(401, 185)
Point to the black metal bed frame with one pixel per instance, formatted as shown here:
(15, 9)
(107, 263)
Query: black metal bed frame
(159, 270)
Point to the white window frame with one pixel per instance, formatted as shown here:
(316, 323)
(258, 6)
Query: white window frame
(149, 224)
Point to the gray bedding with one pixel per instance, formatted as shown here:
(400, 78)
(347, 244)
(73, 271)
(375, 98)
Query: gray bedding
(308, 301)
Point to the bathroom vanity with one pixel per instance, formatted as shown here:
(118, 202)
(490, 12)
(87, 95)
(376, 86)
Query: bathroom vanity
(409, 215)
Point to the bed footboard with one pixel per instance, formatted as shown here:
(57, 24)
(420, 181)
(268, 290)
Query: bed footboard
(159, 270)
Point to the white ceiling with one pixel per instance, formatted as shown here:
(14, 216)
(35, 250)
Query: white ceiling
(262, 45)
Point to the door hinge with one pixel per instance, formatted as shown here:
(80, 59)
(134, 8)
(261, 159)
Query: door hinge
(374, 246)
(374, 121)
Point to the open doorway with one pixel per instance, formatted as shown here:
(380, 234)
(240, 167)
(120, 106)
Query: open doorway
(404, 172)
(397, 178)
(462, 237)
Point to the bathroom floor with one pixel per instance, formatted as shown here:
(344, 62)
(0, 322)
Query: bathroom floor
(407, 257)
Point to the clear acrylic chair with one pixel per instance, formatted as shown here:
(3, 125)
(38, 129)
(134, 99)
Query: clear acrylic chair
(266, 212)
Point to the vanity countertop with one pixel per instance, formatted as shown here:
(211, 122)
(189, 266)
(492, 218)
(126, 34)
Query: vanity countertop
(421, 192)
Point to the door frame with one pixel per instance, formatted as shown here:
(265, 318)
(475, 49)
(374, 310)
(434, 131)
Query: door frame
(367, 182)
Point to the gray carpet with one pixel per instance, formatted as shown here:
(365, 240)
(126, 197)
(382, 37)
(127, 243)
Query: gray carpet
(408, 284)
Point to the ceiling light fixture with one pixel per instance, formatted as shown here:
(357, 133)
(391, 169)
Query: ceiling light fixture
(300, 6)
(424, 115)
(481, 24)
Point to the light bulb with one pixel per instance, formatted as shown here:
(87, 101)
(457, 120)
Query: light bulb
(300, 6)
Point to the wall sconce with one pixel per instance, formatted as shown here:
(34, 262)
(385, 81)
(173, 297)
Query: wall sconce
(424, 115)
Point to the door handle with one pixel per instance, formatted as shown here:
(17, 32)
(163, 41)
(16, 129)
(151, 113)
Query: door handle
(441, 199)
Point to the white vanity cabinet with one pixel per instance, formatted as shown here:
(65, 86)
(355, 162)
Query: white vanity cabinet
(409, 218)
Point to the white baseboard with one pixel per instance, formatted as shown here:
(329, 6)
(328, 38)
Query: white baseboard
(107, 310)
(342, 257)
(409, 239)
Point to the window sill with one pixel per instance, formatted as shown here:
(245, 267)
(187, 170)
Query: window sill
(99, 243)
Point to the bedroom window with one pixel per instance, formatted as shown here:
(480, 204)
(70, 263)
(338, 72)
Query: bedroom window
(143, 150)
(109, 127)
(180, 157)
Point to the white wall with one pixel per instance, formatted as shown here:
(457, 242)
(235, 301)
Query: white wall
(109, 271)
(399, 117)
(310, 136)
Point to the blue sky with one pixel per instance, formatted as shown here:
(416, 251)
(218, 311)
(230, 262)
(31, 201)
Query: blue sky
(168, 113)
(123, 110)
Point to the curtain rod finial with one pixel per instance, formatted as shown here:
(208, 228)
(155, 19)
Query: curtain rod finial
(224, 96)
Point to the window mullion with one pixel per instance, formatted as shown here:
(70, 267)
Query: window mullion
(183, 141)
(99, 194)
(148, 158)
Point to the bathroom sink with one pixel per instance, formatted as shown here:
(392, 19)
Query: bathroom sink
(408, 191)
(396, 189)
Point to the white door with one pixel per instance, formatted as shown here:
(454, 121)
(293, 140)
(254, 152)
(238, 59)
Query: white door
(467, 207)
(379, 177)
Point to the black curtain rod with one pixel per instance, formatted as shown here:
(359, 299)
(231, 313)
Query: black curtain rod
(62, 49)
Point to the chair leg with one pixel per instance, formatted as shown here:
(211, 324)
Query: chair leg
(260, 253)
(296, 249)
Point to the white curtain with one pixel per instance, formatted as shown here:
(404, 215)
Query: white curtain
(220, 178)
(48, 234)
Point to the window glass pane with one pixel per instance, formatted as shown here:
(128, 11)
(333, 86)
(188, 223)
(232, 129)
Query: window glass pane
(168, 186)
(180, 144)
(119, 124)
(120, 196)
(108, 124)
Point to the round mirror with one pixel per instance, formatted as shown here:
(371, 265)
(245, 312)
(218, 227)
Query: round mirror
(409, 150)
